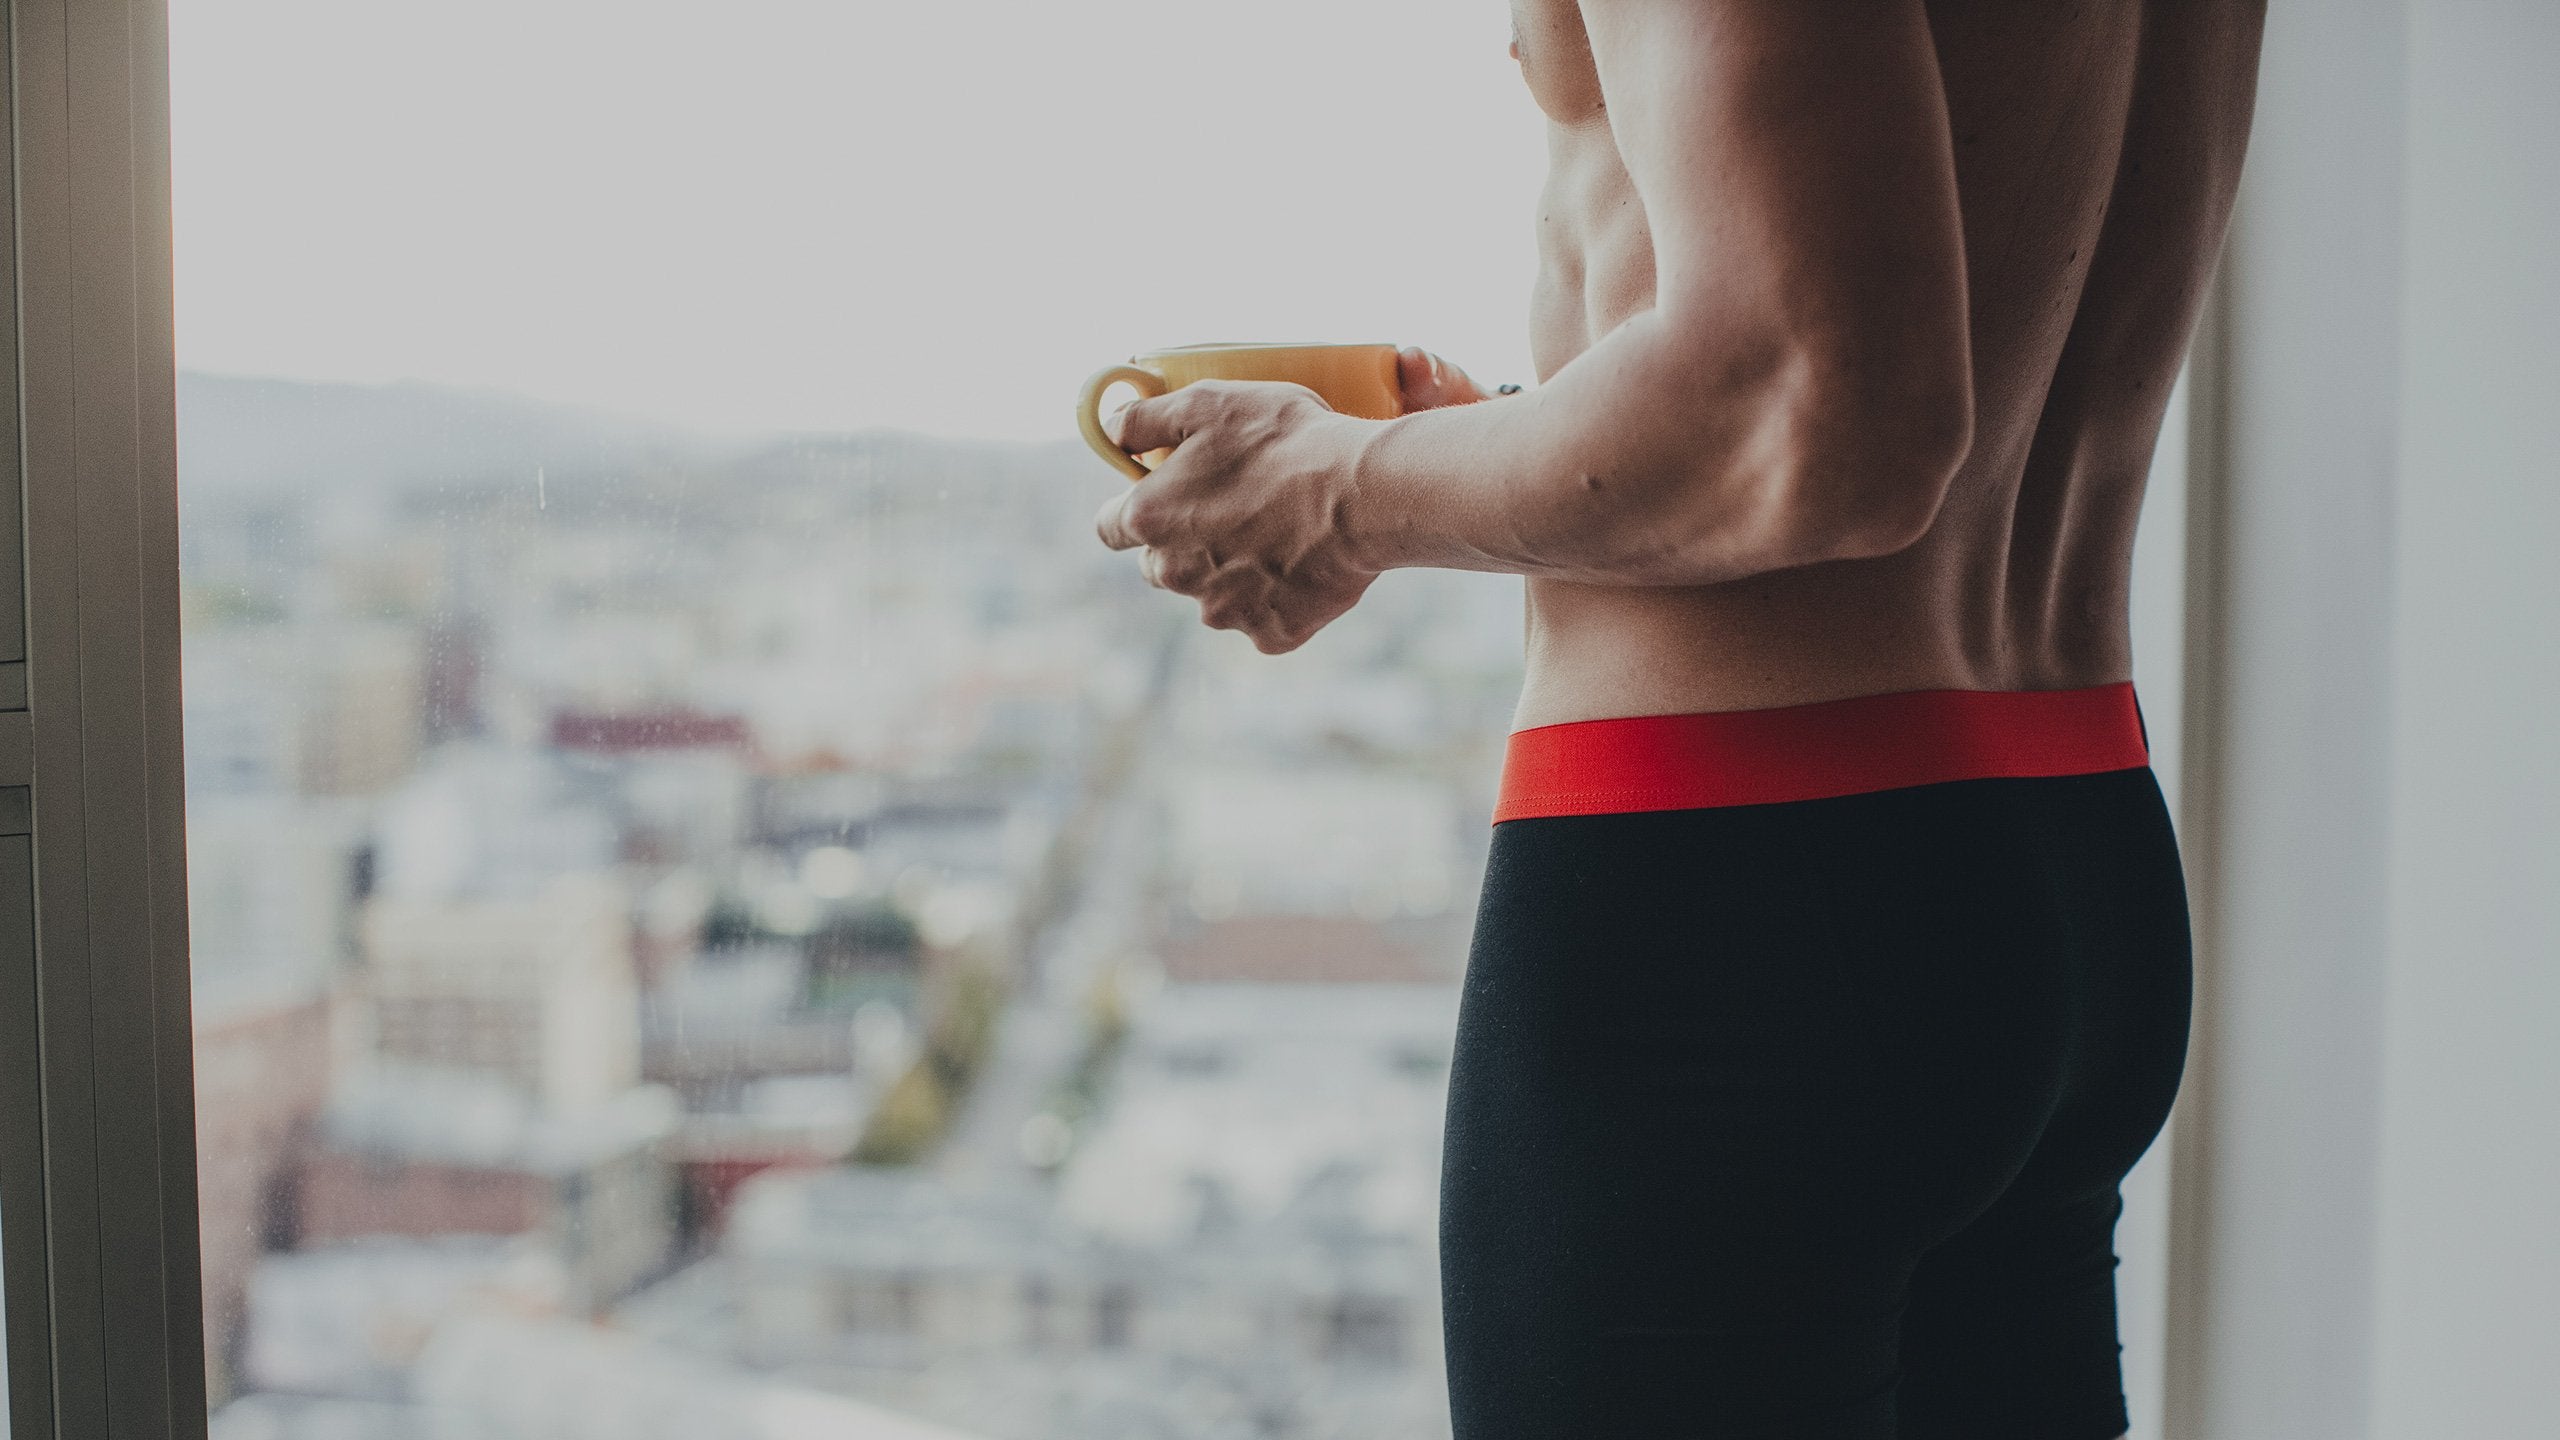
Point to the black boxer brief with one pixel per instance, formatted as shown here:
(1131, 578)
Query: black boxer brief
(1801, 1056)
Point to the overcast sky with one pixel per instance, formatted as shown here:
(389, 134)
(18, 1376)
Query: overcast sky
(934, 214)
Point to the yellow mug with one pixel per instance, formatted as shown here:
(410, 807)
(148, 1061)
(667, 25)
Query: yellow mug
(1354, 379)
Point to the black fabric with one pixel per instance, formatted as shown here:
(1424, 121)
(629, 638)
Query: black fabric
(1808, 1120)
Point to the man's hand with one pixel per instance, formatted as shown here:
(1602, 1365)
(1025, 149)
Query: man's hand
(1242, 515)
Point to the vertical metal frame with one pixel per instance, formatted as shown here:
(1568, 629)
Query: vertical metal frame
(25, 1288)
(97, 1132)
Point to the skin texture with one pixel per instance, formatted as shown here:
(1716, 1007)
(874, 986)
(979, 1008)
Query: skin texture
(1855, 326)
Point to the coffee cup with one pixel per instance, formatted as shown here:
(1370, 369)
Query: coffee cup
(1354, 379)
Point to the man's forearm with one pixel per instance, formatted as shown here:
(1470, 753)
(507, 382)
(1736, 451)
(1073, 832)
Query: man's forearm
(1641, 463)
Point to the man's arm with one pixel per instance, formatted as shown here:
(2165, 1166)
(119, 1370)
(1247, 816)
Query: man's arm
(1801, 390)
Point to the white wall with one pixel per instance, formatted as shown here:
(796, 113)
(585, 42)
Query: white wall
(2285, 1093)
(2368, 1222)
(2468, 1282)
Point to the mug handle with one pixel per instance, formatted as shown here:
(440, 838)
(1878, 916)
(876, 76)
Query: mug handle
(1089, 412)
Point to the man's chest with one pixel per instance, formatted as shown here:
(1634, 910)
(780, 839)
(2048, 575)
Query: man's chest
(1555, 59)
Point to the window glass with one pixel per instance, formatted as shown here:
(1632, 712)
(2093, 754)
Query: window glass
(717, 906)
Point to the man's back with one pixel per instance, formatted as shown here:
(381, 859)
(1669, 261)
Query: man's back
(2096, 150)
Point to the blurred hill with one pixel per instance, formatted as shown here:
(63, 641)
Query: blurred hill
(244, 438)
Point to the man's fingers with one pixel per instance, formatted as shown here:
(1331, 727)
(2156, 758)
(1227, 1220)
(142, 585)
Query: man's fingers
(1111, 522)
(1429, 382)
(1259, 622)
(1163, 421)
(1159, 421)
(1418, 375)
(1134, 517)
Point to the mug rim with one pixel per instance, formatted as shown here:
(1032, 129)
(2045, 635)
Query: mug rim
(1203, 346)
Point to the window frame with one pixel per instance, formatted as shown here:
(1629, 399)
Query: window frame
(97, 1125)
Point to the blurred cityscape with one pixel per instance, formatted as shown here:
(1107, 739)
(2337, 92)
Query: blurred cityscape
(791, 938)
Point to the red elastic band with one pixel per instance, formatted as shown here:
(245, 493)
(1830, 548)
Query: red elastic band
(1814, 752)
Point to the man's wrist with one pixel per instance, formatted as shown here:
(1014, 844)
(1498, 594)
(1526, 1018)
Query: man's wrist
(1371, 516)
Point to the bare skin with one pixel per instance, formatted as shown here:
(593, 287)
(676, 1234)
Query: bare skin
(1855, 327)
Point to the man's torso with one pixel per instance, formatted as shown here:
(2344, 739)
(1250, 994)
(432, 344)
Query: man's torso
(2096, 148)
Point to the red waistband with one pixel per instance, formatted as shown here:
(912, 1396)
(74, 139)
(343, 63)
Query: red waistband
(1813, 752)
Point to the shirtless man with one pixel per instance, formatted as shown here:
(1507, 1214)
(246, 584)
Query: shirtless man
(1832, 964)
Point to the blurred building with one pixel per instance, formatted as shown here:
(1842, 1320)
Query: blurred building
(269, 899)
(1308, 873)
(327, 708)
(535, 990)
(489, 819)
(421, 1152)
(271, 890)
(766, 1081)
(453, 652)
(363, 711)
(493, 1375)
(477, 1367)
(1245, 1238)
(262, 1073)
(496, 1086)
(340, 1327)
(243, 725)
(660, 909)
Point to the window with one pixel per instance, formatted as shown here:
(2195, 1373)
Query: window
(601, 246)
(704, 879)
